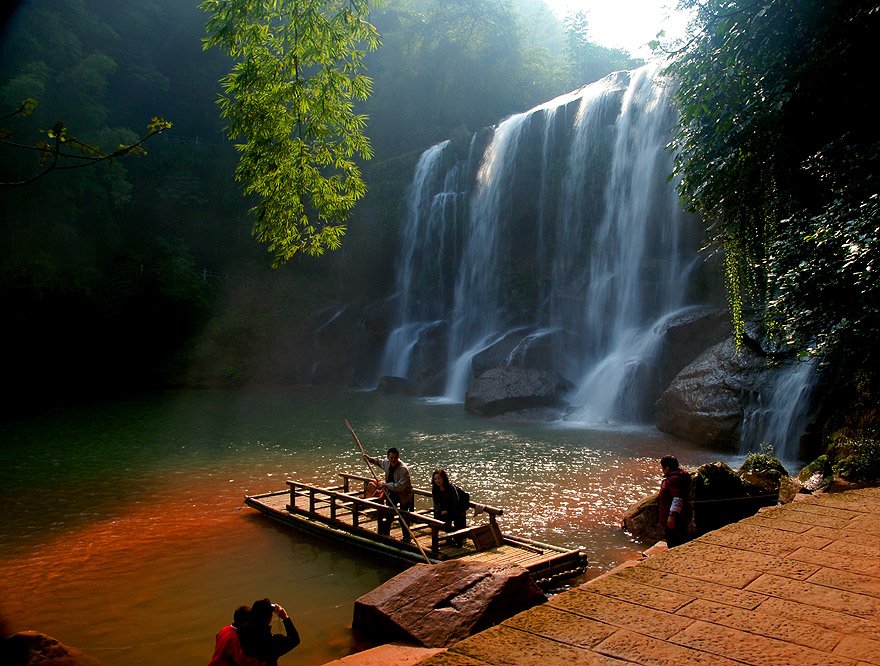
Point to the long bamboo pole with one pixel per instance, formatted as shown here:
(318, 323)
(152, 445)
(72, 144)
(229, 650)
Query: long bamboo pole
(396, 508)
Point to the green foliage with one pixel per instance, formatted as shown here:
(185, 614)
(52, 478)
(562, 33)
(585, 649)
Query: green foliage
(762, 462)
(856, 459)
(290, 96)
(771, 153)
(63, 151)
(448, 66)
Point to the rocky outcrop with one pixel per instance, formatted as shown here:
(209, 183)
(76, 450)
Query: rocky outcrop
(429, 359)
(706, 401)
(718, 496)
(640, 519)
(438, 605)
(508, 389)
(27, 648)
(542, 349)
(348, 343)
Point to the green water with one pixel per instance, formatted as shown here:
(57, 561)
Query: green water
(123, 532)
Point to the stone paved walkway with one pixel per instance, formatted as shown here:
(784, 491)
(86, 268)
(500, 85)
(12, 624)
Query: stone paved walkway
(797, 585)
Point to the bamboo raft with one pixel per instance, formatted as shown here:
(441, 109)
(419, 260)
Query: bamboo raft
(345, 513)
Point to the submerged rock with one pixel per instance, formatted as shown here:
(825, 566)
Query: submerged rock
(509, 389)
(32, 647)
(440, 604)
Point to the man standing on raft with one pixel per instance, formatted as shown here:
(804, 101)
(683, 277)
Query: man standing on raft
(397, 486)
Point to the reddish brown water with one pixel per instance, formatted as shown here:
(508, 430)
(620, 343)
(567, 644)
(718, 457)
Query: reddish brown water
(124, 535)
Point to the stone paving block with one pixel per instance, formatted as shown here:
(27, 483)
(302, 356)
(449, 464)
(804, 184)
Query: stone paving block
(852, 603)
(619, 613)
(693, 589)
(764, 624)
(745, 559)
(561, 626)
(849, 542)
(848, 580)
(504, 646)
(840, 622)
(861, 648)
(780, 523)
(869, 565)
(637, 648)
(865, 524)
(852, 500)
(448, 658)
(399, 654)
(818, 514)
(674, 562)
(618, 587)
(762, 539)
(755, 650)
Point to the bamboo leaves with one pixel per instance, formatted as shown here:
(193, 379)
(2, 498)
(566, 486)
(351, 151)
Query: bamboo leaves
(290, 99)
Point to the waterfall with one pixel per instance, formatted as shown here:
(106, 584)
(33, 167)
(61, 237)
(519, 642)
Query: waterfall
(560, 224)
(428, 240)
(777, 417)
(640, 230)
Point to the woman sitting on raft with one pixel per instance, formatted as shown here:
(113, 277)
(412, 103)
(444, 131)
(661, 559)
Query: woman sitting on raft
(450, 503)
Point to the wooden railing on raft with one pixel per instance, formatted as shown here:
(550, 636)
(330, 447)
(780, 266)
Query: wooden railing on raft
(483, 536)
(342, 500)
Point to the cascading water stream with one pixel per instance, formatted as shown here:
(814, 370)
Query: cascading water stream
(637, 271)
(573, 195)
(776, 420)
(558, 238)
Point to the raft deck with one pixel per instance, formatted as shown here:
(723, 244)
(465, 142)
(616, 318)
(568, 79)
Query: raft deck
(345, 513)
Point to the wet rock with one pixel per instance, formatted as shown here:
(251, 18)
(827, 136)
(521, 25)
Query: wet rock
(705, 402)
(428, 359)
(789, 488)
(641, 518)
(720, 497)
(508, 389)
(395, 386)
(27, 648)
(683, 338)
(438, 605)
(541, 349)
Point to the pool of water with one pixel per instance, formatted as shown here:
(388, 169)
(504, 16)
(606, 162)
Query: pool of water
(124, 532)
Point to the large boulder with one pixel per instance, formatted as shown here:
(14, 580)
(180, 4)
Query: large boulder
(438, 605)
(508, 389)
(706, 401)
(721, 496)
(718, 495)
(541, 349)
(685, 336)
(428, 359)
(641, 519)
(498, 353)
(28, 648)
(394, 386)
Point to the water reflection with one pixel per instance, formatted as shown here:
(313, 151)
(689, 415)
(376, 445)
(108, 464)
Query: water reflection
(124, 534)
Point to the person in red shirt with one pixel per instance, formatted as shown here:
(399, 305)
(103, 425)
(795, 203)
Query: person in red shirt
(227, 649)
(674, 513)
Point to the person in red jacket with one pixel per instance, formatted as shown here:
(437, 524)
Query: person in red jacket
(227, 650)
(674, 513)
